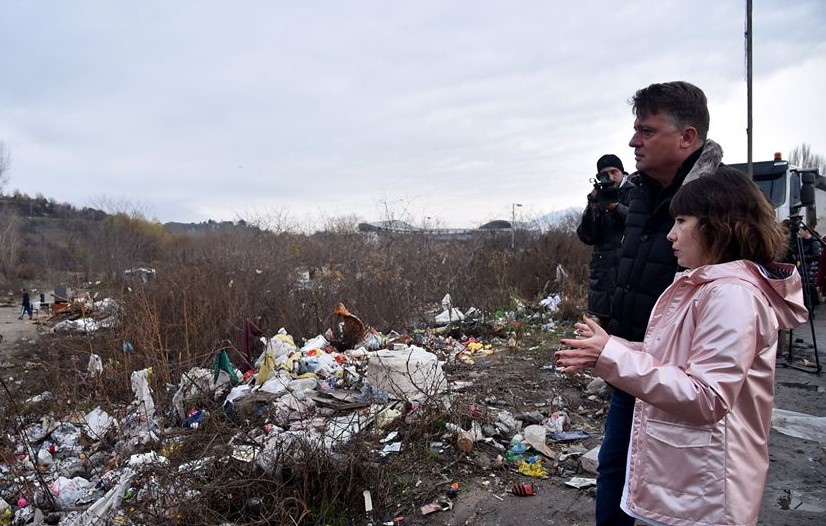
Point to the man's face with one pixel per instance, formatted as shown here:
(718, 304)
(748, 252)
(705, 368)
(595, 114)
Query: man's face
(658, 144)
(613, 173)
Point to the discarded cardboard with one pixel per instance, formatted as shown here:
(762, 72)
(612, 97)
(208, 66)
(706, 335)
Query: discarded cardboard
(590, 461)
(581, 482)
(535, 436)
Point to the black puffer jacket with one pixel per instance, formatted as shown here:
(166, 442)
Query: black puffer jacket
(603, 229)
(647, 264)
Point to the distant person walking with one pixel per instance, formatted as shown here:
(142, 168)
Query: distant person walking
(27, 305)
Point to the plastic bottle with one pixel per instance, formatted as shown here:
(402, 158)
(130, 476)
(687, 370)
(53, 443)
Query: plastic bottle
(464, 439)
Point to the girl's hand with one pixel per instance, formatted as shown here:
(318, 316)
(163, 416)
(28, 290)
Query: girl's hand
(585, 350)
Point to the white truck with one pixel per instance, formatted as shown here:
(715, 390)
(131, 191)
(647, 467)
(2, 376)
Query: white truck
(793, 191)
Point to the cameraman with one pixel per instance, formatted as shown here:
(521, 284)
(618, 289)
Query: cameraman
(602, 226)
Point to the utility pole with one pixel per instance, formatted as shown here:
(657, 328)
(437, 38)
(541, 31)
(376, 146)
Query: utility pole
(513, 224)
(749, 130)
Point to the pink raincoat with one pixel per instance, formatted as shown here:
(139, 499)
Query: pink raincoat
(704, 382)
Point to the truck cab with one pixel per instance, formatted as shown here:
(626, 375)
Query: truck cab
(792, 191)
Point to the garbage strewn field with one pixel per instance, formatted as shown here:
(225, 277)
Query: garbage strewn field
(467, 422)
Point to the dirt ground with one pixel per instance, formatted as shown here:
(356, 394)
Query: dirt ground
(795, 492)
(16, 332)
(515, 380)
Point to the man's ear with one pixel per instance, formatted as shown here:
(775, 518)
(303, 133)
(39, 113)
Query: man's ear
(688, 137)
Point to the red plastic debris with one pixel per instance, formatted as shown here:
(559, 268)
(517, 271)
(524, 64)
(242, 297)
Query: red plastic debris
(523, 490)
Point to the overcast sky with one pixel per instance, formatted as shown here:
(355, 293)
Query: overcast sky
(453, 110)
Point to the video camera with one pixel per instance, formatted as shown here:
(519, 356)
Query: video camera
(606, 191)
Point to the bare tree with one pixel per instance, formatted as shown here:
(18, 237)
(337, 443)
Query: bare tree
(343, 224)
(10, 241)
(5, 161)
(273, 220)
(395, 212)
(569, 221)
(114, 205)
(803, 157)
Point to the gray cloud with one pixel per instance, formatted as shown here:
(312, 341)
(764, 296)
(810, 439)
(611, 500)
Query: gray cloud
(206, 109)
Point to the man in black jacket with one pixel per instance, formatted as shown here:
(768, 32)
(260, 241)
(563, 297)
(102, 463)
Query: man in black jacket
(602, 226)
(26, 306)
(670, 148)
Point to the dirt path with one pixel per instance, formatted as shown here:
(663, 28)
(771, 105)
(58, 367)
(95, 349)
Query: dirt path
(13, 330)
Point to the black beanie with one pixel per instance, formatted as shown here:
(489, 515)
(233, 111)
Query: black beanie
(609, 160)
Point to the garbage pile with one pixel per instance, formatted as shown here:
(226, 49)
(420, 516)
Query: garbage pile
(83, 315)
(81, 468)
(334, 386)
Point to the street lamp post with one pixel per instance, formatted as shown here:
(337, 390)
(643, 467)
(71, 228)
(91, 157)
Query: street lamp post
(513, 224)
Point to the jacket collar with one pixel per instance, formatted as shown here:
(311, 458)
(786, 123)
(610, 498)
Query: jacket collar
(707, 162)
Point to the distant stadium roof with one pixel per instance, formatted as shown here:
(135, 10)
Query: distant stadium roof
(497, 224)
(387, 226)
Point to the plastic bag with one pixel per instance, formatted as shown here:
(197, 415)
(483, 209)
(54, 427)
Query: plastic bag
(321, 363)
(556, 422)
(535, 436)
(143, 393)
(221, 362)
(97, 422)
(532, 469)
(266, 368)
(413, 374)
(319, 342)
(68, 491)
(95, 366)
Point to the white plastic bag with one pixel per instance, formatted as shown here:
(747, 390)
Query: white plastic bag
(68, 491)
(412, 374)
(535, 436)
(97, 422)
(95, 367)
(143, 393)
(322, 364)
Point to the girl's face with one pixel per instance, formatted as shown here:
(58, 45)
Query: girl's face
(685, 242)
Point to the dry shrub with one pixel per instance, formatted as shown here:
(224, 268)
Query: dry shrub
(206, 288)
(203, 291)
(309, 486)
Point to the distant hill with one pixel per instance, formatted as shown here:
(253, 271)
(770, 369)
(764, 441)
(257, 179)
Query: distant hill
(24, 206)
(39, 235)
(565, 219)
(206, 227)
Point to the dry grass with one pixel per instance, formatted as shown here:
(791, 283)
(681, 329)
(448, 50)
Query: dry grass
(203, 292)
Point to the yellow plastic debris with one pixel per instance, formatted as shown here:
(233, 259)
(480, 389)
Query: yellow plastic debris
(532, 469)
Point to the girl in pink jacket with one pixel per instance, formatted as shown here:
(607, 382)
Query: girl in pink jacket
(704, 374)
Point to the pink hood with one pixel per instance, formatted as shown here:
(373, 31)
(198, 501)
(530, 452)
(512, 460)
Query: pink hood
(779, 282)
